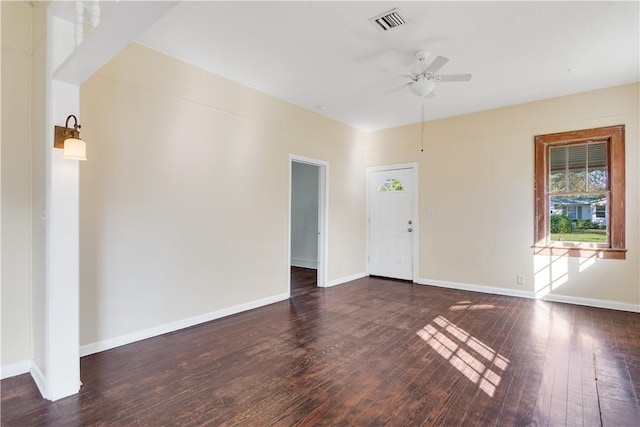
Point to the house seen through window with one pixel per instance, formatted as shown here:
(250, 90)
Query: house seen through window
(577, 186)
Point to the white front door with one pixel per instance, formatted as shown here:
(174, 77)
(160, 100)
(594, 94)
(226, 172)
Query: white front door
(391, 223)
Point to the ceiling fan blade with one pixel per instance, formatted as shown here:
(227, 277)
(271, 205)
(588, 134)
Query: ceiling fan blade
(436, 64)
(453, 78)
(397, 89)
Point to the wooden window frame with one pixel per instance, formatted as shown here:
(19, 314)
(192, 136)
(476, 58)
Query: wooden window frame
(614, 135)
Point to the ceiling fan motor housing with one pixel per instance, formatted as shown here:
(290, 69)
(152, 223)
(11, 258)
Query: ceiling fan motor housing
(421, 55)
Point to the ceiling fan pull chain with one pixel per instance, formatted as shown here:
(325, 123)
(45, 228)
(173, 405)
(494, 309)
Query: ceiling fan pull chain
(422, 129)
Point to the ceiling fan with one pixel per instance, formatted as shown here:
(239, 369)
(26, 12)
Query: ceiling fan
(423, 77)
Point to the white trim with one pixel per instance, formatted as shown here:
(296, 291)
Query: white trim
(590, 302)
(99, 346)
(346, 279)
(565, 299)
(416, 212)
(323, 216)
(304, 263)
(307, 160)
(416, 220)
(15, 369)
(323, 225)
(476, 288)
(38, 378)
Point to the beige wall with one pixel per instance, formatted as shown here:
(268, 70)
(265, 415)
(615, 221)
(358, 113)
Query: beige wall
(476, 173)
(16, 179)
(185, 197)
(38, 179)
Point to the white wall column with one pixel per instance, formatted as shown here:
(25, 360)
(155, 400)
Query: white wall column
(62, 294)
(62, 302)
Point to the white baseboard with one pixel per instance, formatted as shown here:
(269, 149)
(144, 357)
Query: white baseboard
(304, 263)
(590, 302)
(599, 303)
(345, 279)
(99, 346)
(38, 378)
(477, 288)
(26, 367)
(14, 369)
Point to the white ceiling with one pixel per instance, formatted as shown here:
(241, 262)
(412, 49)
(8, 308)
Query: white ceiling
(329, 54)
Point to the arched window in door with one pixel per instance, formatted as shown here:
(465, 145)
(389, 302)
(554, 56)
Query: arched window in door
(390, 184)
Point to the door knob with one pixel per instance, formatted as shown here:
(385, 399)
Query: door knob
(409, 229)
(410, 222)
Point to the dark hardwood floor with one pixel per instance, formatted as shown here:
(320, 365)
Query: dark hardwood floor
(371, 352)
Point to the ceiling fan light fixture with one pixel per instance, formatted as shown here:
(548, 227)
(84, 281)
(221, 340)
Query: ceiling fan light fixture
(422, 87)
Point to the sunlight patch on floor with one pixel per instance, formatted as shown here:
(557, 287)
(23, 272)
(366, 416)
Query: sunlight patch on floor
(469, 355)
(467, 305)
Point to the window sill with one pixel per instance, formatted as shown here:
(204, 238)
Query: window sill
(582, 252)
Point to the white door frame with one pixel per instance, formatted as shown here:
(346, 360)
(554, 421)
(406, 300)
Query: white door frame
(416, 217)
(323, 215)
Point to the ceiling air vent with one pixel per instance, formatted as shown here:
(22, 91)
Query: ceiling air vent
(388, 20)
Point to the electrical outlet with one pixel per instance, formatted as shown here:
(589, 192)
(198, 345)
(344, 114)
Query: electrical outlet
(520, 279)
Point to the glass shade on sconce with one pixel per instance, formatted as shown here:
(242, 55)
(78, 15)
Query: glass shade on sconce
(74, 149)
(69, 139)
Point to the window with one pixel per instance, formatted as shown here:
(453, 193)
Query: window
(579, 193)
(391, 184)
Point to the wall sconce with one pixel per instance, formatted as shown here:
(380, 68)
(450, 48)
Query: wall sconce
(69, 139)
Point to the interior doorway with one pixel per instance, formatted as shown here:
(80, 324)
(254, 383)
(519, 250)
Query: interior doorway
(307, 221)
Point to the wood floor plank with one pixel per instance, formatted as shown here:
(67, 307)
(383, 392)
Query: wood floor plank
(371, 352)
